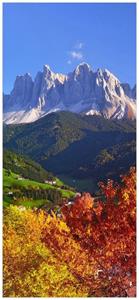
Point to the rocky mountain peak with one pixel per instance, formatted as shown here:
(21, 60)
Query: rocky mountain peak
(82, 67)
(82, 91)
(46, 69)
(22, 91)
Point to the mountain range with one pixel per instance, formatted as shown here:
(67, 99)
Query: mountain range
(82, 91)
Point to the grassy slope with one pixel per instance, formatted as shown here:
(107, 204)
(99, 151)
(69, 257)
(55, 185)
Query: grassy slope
(11, 180)
(25, 167)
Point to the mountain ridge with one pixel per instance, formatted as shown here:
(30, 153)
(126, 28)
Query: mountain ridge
(81, 91)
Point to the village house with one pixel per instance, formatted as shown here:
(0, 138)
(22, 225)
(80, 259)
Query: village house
(52, 182)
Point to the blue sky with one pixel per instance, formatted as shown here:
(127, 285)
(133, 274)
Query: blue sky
(63, 35)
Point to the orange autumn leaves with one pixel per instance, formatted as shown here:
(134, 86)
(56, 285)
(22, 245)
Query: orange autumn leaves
(107, 230)
(89, 251)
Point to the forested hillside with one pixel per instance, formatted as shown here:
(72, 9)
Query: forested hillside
(25, 167)
(75, 146)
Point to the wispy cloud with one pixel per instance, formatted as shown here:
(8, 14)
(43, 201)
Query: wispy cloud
(76, 54)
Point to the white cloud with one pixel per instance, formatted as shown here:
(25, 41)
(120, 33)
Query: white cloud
(76, 54)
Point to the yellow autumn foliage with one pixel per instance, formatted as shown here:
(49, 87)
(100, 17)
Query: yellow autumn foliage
(30, 268)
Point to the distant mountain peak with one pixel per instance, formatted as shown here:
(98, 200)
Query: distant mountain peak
(46, 67)
(82, 91)
(84, 65)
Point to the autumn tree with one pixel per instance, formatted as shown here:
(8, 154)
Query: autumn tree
(31, 269)
(107, 230)
(90, 251)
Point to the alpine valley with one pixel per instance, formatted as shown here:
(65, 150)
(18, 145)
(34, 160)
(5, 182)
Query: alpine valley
(79, 149)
